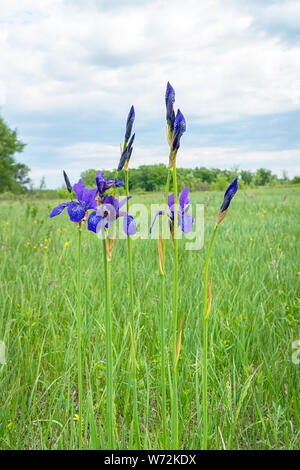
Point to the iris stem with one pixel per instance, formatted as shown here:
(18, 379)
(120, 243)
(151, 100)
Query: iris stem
(166, 213)
(135, 402)
(108, 347)
(175, 315)
(205, 345)
(129, 253)
(135, 413)
(162, 325)
(79, 342)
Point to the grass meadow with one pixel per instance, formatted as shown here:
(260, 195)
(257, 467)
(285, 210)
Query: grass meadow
(253, 384)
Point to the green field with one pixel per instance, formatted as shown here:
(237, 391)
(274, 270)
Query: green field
(253, 384)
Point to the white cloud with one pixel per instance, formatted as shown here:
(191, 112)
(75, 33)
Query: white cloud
(74, 57)
(71, 58)
(282, 14)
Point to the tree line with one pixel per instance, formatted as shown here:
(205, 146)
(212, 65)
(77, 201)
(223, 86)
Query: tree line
(14, 177)
(153, 178)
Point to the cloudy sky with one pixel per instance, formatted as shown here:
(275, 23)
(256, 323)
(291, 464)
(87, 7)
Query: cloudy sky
(71, 69)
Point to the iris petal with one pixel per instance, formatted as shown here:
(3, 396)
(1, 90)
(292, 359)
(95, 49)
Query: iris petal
(160, 212)
(111, 205)
(129, 224)
(100, 182)
(79, 188)
(179, 129)
(121, 204)
(184, 198)
(94, 222)
(170, 100)
(84, 195)
(76, 211)
(185, 220)
(171, 201)
(89, 198)
(58, 209)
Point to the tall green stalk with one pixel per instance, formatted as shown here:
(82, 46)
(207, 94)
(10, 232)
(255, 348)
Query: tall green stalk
(175, 316)
(166, 213)
(108, 347)
(162, 324)
(129, 252)
(79, 342)
(135, 412)
(205, 344)
(135, 406)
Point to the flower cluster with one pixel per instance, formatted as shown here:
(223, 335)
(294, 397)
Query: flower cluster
(106, 209)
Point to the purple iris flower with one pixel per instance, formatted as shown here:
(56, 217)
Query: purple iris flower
(104, 184)
(77, 209)
(108, 212)
(129, 123)
(229, 193)
(179, 129)
(170, 100)
(185, 220)
(125, 157)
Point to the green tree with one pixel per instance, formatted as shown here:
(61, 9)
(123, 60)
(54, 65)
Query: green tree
(263, 177)
(13, 176)
(246, 176)
(89, 178)
(206, 175)
(220, 184)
